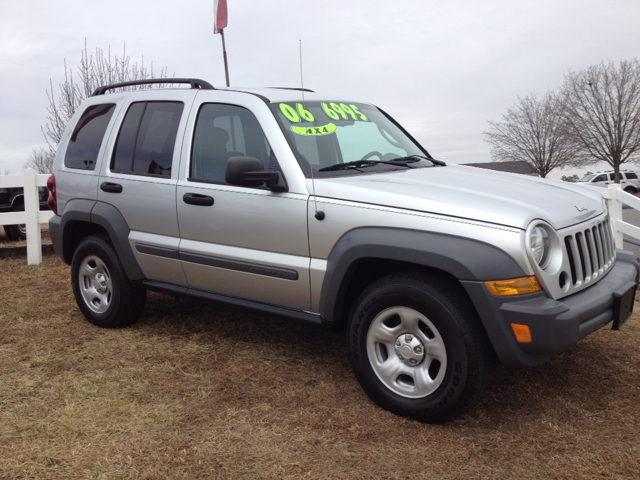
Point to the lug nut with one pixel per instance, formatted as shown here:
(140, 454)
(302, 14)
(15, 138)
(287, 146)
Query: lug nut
(408, 338)
(398, 343)
(413, 361)
(418, 349)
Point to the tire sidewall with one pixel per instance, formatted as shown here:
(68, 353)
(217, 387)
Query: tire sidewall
(436, 406)
(14, 233)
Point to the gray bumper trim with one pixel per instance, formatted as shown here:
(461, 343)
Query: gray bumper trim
(555, 324)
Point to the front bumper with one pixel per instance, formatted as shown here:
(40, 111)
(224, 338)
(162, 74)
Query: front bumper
(555, 325)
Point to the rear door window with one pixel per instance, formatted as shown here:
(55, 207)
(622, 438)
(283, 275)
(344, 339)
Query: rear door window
(147, 139)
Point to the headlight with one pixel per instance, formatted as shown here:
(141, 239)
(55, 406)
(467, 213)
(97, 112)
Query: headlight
(539, 244)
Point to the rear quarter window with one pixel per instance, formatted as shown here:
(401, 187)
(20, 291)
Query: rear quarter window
(84, 144)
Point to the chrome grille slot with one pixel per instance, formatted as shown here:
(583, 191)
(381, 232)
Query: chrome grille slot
(590, 252)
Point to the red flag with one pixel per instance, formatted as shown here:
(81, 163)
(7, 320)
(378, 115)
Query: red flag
(219, 15)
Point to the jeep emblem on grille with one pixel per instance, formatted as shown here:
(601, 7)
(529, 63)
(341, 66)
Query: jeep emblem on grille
(581, 208)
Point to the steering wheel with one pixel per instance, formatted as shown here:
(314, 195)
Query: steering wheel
(371, 154)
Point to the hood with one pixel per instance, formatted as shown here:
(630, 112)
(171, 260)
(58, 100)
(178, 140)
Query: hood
(468, 192)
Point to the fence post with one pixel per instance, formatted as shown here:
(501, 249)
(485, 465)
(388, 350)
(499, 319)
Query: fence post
(615, 214)
(31, 210)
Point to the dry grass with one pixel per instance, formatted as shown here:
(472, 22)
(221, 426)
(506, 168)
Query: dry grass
(197, 391)
(5, 242)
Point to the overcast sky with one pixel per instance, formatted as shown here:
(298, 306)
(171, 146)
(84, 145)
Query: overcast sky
(442, 69)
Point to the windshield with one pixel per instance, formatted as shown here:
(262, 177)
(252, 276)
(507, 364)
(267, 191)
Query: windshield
(587, 178)
(334, 138)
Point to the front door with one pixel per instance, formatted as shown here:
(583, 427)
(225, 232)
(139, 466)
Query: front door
(243, 242)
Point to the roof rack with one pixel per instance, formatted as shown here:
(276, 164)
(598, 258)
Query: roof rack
(194, 82)
(294, 88)
(261, 97)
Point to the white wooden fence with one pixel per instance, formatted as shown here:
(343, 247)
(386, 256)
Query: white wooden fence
(32, 217)
(616, 197)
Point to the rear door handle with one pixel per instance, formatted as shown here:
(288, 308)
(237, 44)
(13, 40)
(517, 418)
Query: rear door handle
(197, 199)
(111, 187)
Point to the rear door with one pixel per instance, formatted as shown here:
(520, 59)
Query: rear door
(243, 242)
(139, 178)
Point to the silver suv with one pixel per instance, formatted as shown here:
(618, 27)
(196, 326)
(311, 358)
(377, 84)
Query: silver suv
(628, 180)
(325, 210)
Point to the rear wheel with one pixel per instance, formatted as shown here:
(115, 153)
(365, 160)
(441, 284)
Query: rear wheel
(102, 290)
(418, 349)
(630, 190)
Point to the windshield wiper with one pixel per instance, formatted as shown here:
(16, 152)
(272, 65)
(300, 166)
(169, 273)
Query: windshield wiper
(417, 158)
(398, 162)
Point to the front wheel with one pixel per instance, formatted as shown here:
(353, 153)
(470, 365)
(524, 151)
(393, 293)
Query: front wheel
(418, 349)
(16, 232)
(102, 290)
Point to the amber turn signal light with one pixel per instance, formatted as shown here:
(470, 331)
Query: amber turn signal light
(514, 286)
(522, 332)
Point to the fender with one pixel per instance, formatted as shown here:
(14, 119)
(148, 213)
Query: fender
(98, 213)
(463, 258)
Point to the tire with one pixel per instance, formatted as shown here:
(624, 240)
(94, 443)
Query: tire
(16, 232)
(446, 356)
(103, 292)
(630, 190)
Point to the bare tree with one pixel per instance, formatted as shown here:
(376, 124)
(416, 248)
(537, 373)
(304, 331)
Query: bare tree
(93, 72)
(602, 105)
(40, 159)
(532, 131)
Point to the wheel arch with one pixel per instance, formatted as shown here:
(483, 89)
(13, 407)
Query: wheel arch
(82, 218)
(365, 255)
(17, 199)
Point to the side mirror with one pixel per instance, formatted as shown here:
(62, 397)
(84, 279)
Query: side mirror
(249, 172)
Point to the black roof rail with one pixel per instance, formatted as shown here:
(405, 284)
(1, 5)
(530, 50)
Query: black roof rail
(261, 97)
(294, 88)
(194, 82)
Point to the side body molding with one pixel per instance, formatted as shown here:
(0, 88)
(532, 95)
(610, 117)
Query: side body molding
(463, 258)
(98, 213)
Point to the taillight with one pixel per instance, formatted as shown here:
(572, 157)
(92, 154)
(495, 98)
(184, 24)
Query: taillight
(52, 201)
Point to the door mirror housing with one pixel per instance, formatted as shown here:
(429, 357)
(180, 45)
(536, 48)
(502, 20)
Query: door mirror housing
(249, 172)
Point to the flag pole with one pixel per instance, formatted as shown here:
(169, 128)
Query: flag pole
(224, 55)
(219, 22)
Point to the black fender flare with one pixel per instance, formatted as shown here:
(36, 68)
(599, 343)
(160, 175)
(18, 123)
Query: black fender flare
(463, 258)
(98, 213)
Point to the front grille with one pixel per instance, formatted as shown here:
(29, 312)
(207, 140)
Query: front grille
(590, 251)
